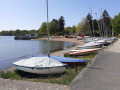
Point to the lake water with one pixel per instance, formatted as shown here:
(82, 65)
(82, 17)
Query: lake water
(13, 49)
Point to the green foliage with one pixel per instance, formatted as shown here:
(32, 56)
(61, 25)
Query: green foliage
(107, 26)
(43, 28)
(82, 27)
(69, 30)
(53, 27)
(73, 29)
(61, 24)
(17, 32)
(116, 24)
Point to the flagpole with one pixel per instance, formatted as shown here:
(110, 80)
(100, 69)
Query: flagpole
(48, 30)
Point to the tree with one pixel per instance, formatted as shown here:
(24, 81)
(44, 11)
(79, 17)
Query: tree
(82, 27)
(90, 24)
(43, 28)
(61, 24)
(96, 28)
(73, 29)
(68, 30)
(17, 32)
(106, 20)
(116, 24)
(53, 27)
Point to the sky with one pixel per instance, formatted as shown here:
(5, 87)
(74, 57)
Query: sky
(30, 14)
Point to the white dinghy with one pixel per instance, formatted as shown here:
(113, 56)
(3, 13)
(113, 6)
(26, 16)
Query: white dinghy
(40, 65)
(84, 51)
(90, 45)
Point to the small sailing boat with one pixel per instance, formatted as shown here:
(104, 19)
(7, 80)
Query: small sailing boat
(41, 65)
(90, 45)
(84, 51)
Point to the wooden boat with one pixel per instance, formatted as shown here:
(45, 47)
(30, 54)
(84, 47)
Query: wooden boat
(40, 65)
(84, 51)
(69, 61)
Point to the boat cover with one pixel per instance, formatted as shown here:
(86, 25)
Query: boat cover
(66, 59)
(90, 44)
(38, 62)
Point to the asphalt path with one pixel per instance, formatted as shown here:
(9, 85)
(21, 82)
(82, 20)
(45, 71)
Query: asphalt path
(103, 73)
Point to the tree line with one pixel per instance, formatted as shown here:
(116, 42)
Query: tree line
(105, 26)
(56, 27)
(17, 32)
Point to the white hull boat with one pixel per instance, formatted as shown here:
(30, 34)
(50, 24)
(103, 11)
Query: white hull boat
(40, 65)
(84, 51)
(90, 45)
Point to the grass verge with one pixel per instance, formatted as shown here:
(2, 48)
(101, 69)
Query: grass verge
(65, 78)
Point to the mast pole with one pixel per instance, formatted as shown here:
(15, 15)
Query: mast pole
(98, 24)
(92, 23)
(48, 30)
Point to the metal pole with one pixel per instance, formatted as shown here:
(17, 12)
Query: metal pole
(112, 28)
(92, 23)
(98, 24)
(48, 30)
(101, 23)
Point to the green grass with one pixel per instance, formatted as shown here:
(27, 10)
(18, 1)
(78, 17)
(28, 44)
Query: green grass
(64, 78)
(87, 57)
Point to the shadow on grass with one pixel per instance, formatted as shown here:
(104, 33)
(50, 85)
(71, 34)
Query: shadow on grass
(31, 75)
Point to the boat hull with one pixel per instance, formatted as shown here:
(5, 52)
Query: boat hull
(89, 47)
(84, 52)
(37, 70)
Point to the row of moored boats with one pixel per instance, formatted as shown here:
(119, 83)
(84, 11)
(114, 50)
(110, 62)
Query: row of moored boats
(57, 64)
(92, 45)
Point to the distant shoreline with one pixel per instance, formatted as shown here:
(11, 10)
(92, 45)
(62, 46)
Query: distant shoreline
(63, 39)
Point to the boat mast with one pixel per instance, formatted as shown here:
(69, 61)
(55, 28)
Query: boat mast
(92, 23)
(98, 24)
(48, 30)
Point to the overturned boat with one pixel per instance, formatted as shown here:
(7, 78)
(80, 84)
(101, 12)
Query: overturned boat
(84, 51)
(40, 65)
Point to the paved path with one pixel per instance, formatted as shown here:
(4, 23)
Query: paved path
(7, 84)
(103, 73)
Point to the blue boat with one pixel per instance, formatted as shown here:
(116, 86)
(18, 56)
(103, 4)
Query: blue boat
(69, 61)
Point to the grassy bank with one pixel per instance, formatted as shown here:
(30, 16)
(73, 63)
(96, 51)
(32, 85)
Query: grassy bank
(70, 73)
(65, 78)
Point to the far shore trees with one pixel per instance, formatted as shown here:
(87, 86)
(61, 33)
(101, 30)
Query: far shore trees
(61, 24)
(116, 24)
(53, 27)
(43, 29)
(70, 30)
(82, 27)
(87, 26)
(56, 27)
(106, 24)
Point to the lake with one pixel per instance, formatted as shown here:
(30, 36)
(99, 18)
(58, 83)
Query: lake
(11, 49)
